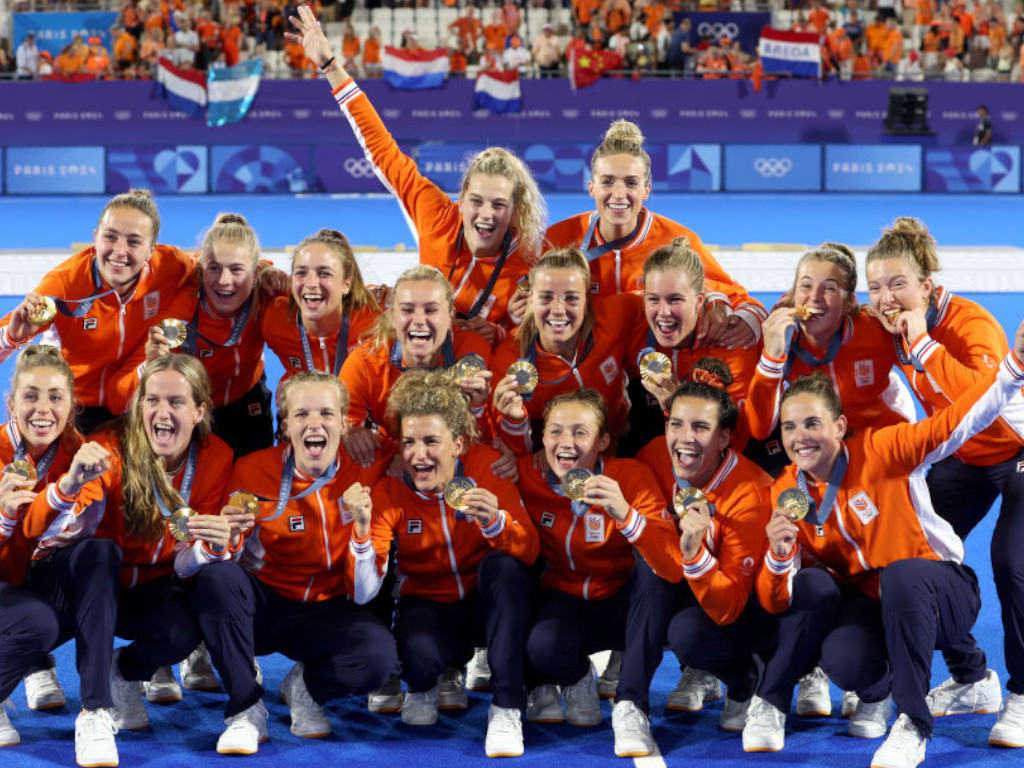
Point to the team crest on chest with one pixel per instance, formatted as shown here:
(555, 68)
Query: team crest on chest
(346, 514)
(150, 304)
(864, 372)
(863, 507)
(594, 522)
(610, 369)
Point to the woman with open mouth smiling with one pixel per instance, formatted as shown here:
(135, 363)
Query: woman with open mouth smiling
(893, 587)
(132, 279)
(163, 459)
(464, 576)
(590, 545)
(288, 591)
(485, 242)
(618, 237)
(71, 593)
(945, 343)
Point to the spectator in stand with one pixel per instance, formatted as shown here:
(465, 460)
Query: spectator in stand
(964, 18)
(910, 68)
(957, 40)
(817, 17)
(930, 46)
(154, 18)
(458, 61)
(841, 47)
(996, 38)
(547, 52)
(575, 47)
(953, 70)
(351, 45)
(1017, 33)
(372, 66)
(854, 27)
(924, 15)
(739, 63)
(231, 39)
(618, 41)
(615, 15)
(583, 13)
(714, 65)
(510, 16)
(27, 58)
(98, 59)
(266, 19)
(126, 51)
(495, 34)
(295, 58)
(186, 42)
(877, 35)
(1004, 64)
(469, 29)
(516, 56)
(208, 32)
(681, 47)
(886, 9)
(862, 67)
(409, 40)
(131, 19)
(893, 46)
(152, 48)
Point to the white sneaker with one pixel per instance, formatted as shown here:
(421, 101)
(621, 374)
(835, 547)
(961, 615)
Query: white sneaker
(871, 720)
(244, 732)
(129, 711)
(582, 704)
(452, 694)
(953, 698)
(850, 702)
(504, 732)
(632, 730)
(197, 671)
(734, 715)
(308, 720)
(8, 734)
(544, 705)
(478, 671)
(1009, 729)
(903, 749)
(421, 708)
(43, 691)
(812, 698)
(608, 681)
(765, 729)
(257, 671)
(94, 738)
(387, 699)
(162, 688)
(694, 689)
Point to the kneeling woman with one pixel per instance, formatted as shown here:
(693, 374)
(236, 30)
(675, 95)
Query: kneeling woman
(163, 460)
(895, 588)
(587, 536)
(287, 593)
(463, 557)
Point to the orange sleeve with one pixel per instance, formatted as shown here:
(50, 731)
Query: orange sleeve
(983, 347)
(647, 526)
(762, 408)
(356, 375)
(514, 533)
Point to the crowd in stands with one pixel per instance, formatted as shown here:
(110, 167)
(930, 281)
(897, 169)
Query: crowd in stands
(905, 40)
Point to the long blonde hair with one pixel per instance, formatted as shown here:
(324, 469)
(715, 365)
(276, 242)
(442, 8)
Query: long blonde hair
(144, 473)
(384, 332)
(557, 258)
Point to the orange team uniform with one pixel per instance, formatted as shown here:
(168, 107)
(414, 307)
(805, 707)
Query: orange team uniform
(97, 344)
(600, 362)
(494, 36)
(233, 370)
(584, 10)
(96, 511)
(859, 372)
(877, 35)
(279, 325)
(350, 46)
(591, 558)
(964, 347)
(371, 51)
(882, 511)
(424, 526)
(369, 373)
(722, 573)
(15, 546)
(437, 219)
(302, 553)
(622, 270)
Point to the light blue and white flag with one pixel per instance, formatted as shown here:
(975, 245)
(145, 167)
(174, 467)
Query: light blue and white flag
(231, 90)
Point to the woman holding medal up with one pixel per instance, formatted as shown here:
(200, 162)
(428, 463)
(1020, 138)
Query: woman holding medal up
(165, 467)
(484, 243)
(287, 591)
(464, 546)
(617, 238)
(894, 586)
(103, 300)
(945, 344)
(593, 514)
(71, 594)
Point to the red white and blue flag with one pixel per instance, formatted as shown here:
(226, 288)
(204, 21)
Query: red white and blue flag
(183, 89)
(794, 53)
(223, 95)
(413, 70)
(498, 92)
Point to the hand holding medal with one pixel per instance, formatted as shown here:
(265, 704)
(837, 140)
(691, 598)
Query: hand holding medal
(694, 511)
(357, 500)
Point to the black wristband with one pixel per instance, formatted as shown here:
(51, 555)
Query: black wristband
(327, 64)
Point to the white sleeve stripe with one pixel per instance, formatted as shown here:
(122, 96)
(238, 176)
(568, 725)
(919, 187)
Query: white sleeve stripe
(347, 93)
(704, 565)
(496, 527)
(55, 501)
(360, 548)
(633, 526)
(770, 368)
(514, 428)
(777, 566)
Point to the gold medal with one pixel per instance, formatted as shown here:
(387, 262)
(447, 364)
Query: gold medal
(892, 314)
(573, 483)
(244, 501)
(654, 364)
(45, 313)
(174, 331)
(795, 503)
(455, 492)
(178, 524)
(526, 376)
(468, 365)
(805, 312)
(523, 286)
(686, 496)
(23, 468)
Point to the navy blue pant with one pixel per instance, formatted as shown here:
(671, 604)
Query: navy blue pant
(567, 629)
(29, 627)
(158, 618)
(835, 626)
(247, 424)
(344, 647)
(80, 582)
(963, 494)
(433, 635)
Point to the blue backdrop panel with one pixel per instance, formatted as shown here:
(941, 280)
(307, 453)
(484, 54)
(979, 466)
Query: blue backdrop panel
(54, 170)
(160, 168)
(694, 167)
(55, 30)
(867, 168)
(265, 168)
(972, 169)
(772, 168)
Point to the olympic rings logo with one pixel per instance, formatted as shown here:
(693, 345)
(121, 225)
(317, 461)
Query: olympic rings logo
(773, 166)
(358, 168)
(718, 29)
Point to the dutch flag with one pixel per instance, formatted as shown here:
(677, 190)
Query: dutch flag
(413, 70)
